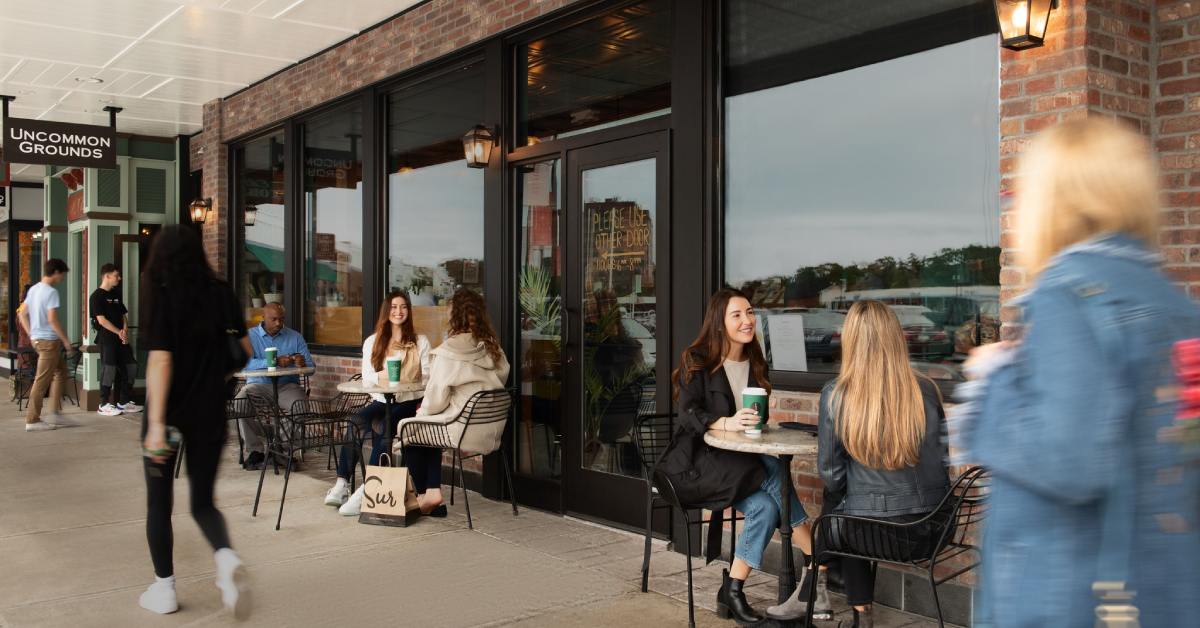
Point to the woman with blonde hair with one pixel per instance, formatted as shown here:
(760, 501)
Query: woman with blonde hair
(1076, 422)
(880, 450)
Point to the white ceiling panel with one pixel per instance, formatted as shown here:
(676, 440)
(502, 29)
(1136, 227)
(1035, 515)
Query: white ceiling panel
(287, 41)
(366, 13)
(53, 43)
(127, 18)
(159, 59)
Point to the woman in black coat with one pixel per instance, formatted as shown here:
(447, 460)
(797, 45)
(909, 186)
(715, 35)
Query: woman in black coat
(724, 360)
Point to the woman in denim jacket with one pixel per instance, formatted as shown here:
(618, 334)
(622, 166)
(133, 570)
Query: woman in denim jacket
(1091, 478)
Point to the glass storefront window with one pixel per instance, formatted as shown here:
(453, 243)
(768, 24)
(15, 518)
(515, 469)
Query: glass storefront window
(333, 229)
(610, 70)
(832, 197)
(435, 201)
(260, 187)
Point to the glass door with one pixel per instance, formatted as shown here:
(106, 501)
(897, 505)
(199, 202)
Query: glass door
(617, 203)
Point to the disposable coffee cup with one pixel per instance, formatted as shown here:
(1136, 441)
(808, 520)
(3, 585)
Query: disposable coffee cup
(393, 368)
(271, 353)
(756, 399)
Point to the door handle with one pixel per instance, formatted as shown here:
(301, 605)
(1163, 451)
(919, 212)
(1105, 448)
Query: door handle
(566, 338)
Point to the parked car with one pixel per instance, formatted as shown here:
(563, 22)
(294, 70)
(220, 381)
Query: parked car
(927, 341)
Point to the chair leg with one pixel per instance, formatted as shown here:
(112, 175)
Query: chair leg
(179, 459)
(649, 531)
(687, 527)
(733, 535)
(262, 474)
(466, 499)
(937, 604)
(512, 491)
(241, 443)
(453, 467)
(287, 473)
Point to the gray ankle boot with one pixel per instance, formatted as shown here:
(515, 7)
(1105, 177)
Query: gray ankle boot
(796, 606)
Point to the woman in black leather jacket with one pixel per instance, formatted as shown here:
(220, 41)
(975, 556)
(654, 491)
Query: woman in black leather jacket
(881, 446)
(723, 360)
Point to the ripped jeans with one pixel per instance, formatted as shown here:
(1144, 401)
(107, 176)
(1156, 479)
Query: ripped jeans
(761, 509)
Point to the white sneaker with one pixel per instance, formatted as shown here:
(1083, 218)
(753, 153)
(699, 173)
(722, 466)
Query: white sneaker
(61, 421)
(160, 597)
(129, 407)
(40, 426)
(337, 495)
(232, 581)
(353, 505)
(109, 409)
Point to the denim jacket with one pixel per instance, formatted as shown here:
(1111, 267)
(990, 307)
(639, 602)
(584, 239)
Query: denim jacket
(1088, 395)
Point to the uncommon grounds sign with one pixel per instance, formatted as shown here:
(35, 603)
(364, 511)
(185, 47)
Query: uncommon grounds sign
(60, 143)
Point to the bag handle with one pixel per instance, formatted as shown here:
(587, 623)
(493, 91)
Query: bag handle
(388, 456)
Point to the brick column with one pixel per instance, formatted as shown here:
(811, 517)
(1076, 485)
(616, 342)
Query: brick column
(213, 160)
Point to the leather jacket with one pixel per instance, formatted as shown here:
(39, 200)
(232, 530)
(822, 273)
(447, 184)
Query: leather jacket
(863, 491)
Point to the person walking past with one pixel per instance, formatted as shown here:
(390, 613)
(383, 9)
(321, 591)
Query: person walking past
(272, 332)
(40, 317)
(189, 319)
(117, 364)
(1093, 477)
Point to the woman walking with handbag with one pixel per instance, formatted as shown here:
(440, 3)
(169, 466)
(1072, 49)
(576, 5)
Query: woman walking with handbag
(191, 321)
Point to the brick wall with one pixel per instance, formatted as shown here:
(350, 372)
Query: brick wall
(1176, 129)
(429, 31)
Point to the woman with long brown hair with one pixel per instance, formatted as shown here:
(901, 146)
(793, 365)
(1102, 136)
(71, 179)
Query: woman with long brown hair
(880, 452)
(394, 337)
(468, 361)
(723, 360)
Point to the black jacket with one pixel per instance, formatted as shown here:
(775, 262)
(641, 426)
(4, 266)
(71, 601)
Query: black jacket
(861, 490)
(703, 476)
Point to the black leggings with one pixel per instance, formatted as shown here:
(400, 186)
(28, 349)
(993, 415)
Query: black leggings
(203, 452)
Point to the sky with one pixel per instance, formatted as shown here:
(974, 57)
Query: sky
(894, 158)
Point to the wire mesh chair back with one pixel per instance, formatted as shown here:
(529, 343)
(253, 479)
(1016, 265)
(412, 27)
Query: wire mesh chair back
(266, 413)
(943, 533)
(239, 408)
(482, 408)
(621, 413)
(353, 402)
(652, 435)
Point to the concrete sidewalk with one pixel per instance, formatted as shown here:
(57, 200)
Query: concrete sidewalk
(73, 552)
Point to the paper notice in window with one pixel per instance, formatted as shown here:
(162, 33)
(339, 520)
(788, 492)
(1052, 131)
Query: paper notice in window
(785, 342)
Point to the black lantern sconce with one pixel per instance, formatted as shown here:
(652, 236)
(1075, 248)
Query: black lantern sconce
(1023, 22)
(477, 146)
(199, 209)
(250, 215)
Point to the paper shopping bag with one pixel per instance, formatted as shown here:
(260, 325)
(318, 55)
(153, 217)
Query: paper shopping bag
(389, 498)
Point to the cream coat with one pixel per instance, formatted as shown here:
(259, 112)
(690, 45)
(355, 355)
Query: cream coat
(460, 368)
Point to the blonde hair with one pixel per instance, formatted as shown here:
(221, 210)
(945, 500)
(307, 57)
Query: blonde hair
(877, 405)
(1081, 179)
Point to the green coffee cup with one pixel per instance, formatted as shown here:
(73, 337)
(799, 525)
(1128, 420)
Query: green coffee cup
(271, 353)
(757, 399)
(393, 369)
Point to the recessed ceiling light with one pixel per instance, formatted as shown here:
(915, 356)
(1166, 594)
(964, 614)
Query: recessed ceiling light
(26, 92)
(88, 79)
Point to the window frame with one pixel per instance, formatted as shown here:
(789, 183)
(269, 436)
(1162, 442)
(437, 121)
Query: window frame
(899, 40)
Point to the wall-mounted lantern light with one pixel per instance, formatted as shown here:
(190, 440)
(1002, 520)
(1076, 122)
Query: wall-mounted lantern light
(477, 145)
(1023, 22)
(199, 210)
(251, 215)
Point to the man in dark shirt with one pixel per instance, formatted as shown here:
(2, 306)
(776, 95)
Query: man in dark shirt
(110, 319)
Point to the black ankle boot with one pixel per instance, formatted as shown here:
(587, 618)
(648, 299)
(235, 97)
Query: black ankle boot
(864, 618)
(731, 602)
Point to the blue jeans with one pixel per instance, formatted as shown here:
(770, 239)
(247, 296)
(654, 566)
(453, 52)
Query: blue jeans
(761, 509)
(369, 423)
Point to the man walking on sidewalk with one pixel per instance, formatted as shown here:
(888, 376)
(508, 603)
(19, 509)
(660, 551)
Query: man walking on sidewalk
(40, 317)
(118, 368)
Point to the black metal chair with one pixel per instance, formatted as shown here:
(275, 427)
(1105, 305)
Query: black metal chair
(73, 362)
(24, 371)
(652, 435)
(483, 408)
(939, 536)
(313, 425)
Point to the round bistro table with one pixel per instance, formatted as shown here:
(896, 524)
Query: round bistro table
(391, 394)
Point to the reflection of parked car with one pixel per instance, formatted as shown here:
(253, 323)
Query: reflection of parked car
(822, 331)
(946, 372)
(649, 319)
(638, 332)
(926, 339)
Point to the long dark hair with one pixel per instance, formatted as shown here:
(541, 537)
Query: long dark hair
(468, 315)
(383, 328)
(177, 276)
(707, 351)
